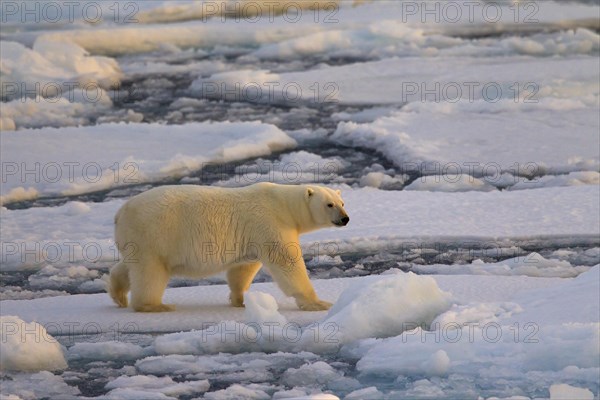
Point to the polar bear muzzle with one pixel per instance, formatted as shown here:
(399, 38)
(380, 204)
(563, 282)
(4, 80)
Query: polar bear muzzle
(343, 221)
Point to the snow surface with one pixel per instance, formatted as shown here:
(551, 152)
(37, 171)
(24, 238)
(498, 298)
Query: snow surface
(486, 350)
(310, 32)
(105, 351)
(79, 53)
(50, 161)
(450, 183)
(388, 305)
(51, 63)
(531, 314)
(472, 118)
(38, 385)
(484, 138)
(400, 80)
(566, 392)
(38, 112)
(291, 168)
(381, 180)
(202, 307)
(531, 265)
(144, 385)
(27, 346)
(264, 328)
(570, 179)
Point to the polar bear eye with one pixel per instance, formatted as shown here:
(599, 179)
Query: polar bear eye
(330, 205)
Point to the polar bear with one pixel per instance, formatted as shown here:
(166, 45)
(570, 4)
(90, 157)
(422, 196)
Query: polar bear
(198, 231)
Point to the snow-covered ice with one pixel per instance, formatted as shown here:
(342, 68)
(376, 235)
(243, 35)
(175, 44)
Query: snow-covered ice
(505, 322)
(449, 127)
(124, 154)
(388, 305)
(98, 309)
(38, 385)
(531, 265)
(49, 64)
(27, 346)
(291, 168)
(144, 386)
(508, 346)
(411, 137)
(563, 391)
(106, 350)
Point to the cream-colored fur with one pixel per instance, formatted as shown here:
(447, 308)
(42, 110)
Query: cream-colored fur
(198, 231)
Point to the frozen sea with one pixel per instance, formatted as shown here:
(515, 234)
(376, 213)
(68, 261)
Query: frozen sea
(463, 135)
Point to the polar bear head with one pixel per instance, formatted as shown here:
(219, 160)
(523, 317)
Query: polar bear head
(326, 206)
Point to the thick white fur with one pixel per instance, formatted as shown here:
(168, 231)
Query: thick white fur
(198, 231)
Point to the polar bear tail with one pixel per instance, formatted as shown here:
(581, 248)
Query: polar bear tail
(118, 284)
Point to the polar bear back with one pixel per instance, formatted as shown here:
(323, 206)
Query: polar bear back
(187, 226)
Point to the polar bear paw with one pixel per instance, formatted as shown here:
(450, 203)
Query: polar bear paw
(318, 305)
(154, 308)
(119, 298)
(236, 299)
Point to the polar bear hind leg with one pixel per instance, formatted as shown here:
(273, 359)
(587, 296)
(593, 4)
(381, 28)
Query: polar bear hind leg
(149, 280)
(118, 284)
(239, 279)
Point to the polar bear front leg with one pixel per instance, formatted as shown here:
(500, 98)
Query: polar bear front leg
(239, 279)
(293, 280)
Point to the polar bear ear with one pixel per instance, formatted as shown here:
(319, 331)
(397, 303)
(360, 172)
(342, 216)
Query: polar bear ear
(309, 192)
(339, 192)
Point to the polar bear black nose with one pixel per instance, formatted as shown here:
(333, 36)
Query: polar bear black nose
(345, 220)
